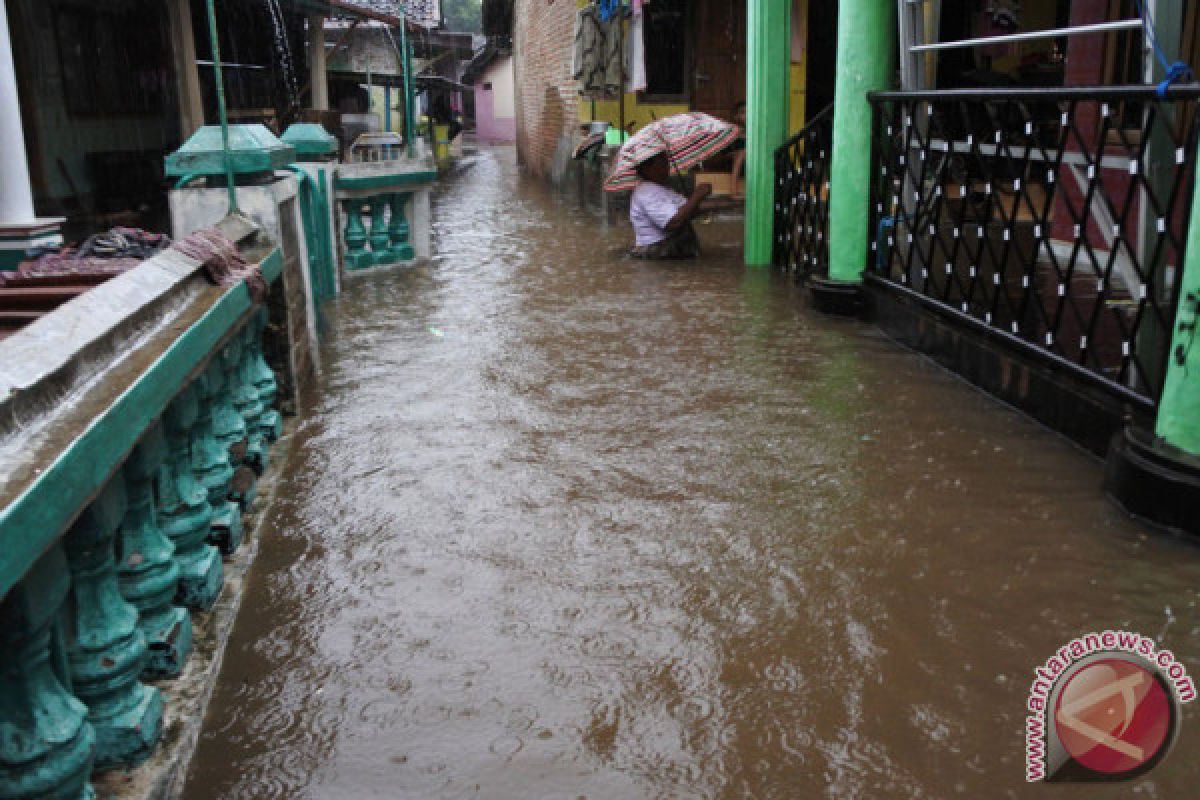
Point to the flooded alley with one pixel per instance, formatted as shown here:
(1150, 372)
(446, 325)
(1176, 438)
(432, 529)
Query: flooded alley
(566, 525)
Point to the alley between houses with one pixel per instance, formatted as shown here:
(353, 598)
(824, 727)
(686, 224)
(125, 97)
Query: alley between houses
(564, 525)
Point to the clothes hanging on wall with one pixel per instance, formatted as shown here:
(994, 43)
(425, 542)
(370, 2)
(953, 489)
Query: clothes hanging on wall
(607, 9)
(597, 59)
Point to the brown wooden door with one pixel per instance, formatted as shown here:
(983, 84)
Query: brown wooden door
(718, 56)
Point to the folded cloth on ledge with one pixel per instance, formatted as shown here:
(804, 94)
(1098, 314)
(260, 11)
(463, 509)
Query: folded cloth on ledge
(223, 264)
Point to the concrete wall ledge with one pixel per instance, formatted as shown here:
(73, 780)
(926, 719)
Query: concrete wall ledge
(80, 386)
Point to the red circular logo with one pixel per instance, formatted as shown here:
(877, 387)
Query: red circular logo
(1113, 716)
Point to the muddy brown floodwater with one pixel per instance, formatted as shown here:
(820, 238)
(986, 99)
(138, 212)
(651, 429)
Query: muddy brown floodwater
(564, 525)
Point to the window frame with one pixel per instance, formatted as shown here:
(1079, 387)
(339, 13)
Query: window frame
(685, 97)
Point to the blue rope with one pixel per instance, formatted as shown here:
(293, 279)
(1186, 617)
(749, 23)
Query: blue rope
(1176, 72)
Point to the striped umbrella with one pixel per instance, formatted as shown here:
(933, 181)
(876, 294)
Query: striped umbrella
(687, 138)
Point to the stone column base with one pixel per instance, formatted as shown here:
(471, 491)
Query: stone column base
(834, 297)
(1154, 481)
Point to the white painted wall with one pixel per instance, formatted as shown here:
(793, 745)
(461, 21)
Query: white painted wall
(504, 96)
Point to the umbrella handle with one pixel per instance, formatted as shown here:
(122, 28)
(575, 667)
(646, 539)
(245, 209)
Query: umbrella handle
(674, 166)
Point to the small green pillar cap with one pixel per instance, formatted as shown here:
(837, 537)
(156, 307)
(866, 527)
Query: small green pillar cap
(311, 141)
(252, 149)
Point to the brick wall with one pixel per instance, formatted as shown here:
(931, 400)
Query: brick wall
(547, 98)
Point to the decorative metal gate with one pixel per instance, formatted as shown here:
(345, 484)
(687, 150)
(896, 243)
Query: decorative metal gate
(1055, 219)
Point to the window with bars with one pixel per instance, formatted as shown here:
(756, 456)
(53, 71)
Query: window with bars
(666, 29)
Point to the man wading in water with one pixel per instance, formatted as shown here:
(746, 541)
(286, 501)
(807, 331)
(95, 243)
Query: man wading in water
(661, 216)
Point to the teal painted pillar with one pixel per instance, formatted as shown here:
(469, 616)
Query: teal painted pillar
(108, 652)
(355, 235)
(1179, 409)
(185, 514)
(398, 230)
(865, 63)
(146, 568)
(380, 237)
(409, 125)
(211, 465)
(47, 746)
(768, 62)
(262, 377)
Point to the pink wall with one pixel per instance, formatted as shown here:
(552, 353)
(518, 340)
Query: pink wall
(487, 127)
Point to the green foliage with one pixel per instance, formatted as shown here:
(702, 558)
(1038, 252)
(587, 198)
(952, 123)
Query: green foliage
(463, 16)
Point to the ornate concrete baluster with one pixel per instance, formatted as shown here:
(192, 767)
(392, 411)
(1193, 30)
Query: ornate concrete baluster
(228, 425)
(185, 514)
(146, 568)
(263, 378)
(380, 238)
(246, 401)
(399, 230)
(108, 650)
(47, 746)
(355, 235)
(210, 462)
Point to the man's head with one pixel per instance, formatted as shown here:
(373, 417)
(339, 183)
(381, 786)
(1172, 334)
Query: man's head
(656, 169)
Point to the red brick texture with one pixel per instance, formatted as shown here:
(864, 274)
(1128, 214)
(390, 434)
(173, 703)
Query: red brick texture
(547, 100)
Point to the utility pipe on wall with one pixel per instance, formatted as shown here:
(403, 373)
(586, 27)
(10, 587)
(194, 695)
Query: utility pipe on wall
(219, 80)
(768, 64)
(865, 63)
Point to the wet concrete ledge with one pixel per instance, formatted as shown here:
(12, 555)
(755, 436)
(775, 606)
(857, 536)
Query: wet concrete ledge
(80, 386)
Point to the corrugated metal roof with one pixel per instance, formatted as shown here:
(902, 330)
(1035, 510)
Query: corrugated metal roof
(426, 13)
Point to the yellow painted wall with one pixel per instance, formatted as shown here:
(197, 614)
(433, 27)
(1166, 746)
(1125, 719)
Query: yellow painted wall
(798, 75)
(643, 113)
(378, 108)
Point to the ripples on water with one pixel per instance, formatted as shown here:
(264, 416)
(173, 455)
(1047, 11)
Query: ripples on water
(566, 525)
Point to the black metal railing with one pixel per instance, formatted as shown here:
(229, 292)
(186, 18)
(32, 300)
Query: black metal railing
(1055, 219)
(802, 198)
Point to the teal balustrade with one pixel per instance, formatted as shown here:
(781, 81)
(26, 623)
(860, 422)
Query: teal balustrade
(211, 464)
(148, 574)
(99, 547)
(108, 651)
(357, 256)
(262, 377)
(398, 230)
(185, 515)
(47, 746)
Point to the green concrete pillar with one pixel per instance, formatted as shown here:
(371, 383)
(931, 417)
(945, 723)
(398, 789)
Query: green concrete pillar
(211, 466)
(355, 235)
(185, 514)
(107, 651)
(146, 568)
(47, 746)
(380, 237)
(398, 230)
(262, 377)
(768, 62)
(865, 63)
(1179, 409)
